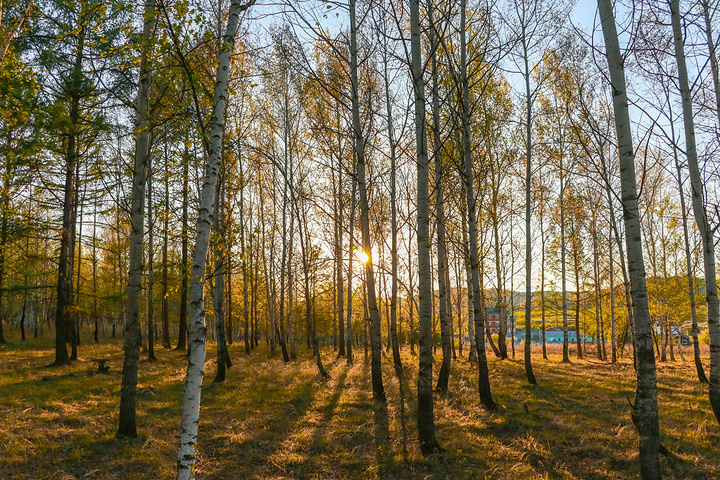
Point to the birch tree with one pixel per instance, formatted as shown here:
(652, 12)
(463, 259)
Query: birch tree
(128, 390)
(698, 202)
(196, 363)
(645, 410)
(425, 416)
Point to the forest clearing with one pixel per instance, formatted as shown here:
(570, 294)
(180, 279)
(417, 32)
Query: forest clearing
(271, 420)
(414, 239)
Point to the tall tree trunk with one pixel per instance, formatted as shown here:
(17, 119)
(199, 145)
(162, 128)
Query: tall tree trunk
(166, 227)
(128, 390)
(576, 265)
(713, 55)
(542, 285)
(528, 205)
(706, 233)
(3, 245)
(425, 416)
(245, 257)
(688, 267)
(612, 298)
(182, 327)
(94, 271)
(445, 330)
(375, 338)
(645, 410)
(483, 376)
(196, 364)
(563, 265)
(351, 252)
(218, 286)
(77, 235)
(151, 261)
(468, 280)
(63, 319)
(339, 282)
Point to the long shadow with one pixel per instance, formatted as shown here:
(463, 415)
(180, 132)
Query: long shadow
(328, 411)
(383, 449)
(262, 435)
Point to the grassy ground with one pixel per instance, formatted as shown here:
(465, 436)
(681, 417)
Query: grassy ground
(275, 421)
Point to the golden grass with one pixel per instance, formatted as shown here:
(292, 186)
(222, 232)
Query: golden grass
(270, 420)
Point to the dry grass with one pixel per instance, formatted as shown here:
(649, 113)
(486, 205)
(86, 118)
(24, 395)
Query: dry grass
(275, 421)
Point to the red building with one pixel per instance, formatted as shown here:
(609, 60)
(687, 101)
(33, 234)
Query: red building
(493, 320)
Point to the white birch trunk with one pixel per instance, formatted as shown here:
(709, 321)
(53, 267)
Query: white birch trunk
(706, 234)
(645, 410)
(196, 363)
(127, 423)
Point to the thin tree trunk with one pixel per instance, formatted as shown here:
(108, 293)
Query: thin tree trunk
(375, 338)
(151, 261)
(218, 286)
(706, 234)
(483, 375)
(468, 281)
(128, 390)
(182, 327)
(425, 416)
(542, 286)
(612, 299)
(166, 227)
(351, 252)
(528, 204)
(196, 364)
(645, 410)
(563, 262)
(445, 330)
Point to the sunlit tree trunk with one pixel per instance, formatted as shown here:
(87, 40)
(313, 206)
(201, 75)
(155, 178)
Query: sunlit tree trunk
(645, 410)
(688, 263)
(706, 233)
(166, 234)
(196, 364)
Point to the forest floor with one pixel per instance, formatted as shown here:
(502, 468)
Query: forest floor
(271, 420)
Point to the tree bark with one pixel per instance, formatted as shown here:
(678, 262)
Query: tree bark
(445, 331)
(425, 416)
(151, 261)
(688, 266)
(128, 390)
(528, 205)
(645, 410)
(196, 363)
(483, 376)
(706, 233)
(182, 326)
(375, 338)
